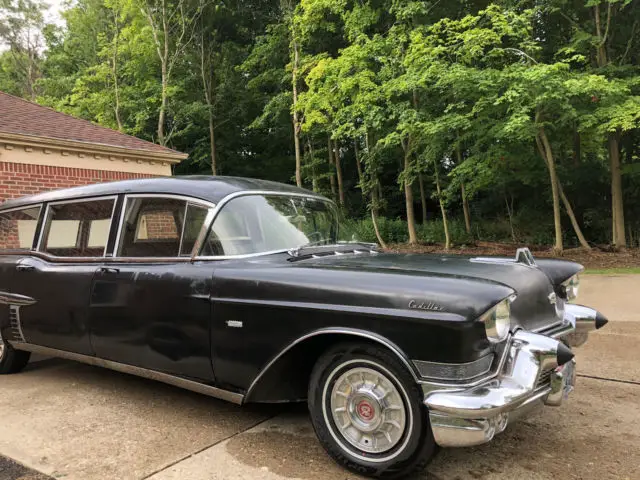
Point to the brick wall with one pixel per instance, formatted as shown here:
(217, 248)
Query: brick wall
(18, 179)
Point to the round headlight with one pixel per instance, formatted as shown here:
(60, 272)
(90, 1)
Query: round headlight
(497, 321)
(571, 287)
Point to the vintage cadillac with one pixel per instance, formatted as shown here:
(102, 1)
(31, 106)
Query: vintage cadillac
(240, 289)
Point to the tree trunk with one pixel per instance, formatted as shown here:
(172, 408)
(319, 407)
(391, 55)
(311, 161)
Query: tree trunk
(374, 216)
(565, 201)
(336, 154)
(358, 165)
(114, 71)
(465, 209)
(445, 223)
(510, 214)
(617, 205)
(212, 142)
(332, 178)
(423, 198)
(314, 176)
(553, 177)
(408, 194)
(465, 203)
(163, 105)
(296, 123)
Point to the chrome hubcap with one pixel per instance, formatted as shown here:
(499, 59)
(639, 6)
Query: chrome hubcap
(2, 348)
(368, 410)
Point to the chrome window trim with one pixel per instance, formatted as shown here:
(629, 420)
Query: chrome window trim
(76, 200)
(244, 193)
(176, 381)
(333, 330)
(187, 199)
(17, 209)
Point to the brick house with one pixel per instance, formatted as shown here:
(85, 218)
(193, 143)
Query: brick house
(41, 149)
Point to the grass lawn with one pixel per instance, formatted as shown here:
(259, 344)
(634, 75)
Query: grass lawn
(612, 271)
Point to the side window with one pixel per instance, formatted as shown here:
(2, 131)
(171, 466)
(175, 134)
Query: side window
(17, 228)
(194, 219)
(160, 227)
(78, 229)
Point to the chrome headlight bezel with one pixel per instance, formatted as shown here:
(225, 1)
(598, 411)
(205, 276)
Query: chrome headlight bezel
(497, 320)
(571, 287)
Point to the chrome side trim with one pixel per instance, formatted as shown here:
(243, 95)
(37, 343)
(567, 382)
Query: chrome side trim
(454, 371)
(335, 330)
(123, 211)
(244, 193)
(45, 219)
(16, 299)
(191, 385)
(16, 324)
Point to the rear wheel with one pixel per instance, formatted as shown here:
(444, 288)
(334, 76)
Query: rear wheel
(12, 360)
(367, 412)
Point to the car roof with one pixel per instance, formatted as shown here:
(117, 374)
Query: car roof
(203, 187)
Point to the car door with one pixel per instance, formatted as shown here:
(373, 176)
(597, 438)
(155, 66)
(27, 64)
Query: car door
(58, 276)
(17, 235)
(150, 306)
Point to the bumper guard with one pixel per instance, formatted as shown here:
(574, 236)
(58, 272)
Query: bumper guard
(538, 370)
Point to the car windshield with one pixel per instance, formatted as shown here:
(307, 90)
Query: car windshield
(265, 223)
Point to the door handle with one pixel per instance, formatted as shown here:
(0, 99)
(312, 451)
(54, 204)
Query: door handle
(25, 268)
(109, 270)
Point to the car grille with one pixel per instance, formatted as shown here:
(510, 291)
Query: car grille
(545, 379)
(14, 321)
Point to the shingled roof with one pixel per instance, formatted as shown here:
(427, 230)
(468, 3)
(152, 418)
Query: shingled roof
(21, 117)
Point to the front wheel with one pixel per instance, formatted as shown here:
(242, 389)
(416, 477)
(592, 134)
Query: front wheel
(12, 360)
(367, 412)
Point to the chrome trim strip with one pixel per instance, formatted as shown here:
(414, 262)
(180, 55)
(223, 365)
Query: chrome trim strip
(202, 235)
(21, 251)
(187, 199)
(191, 385)
(26, 207)
(244, 193)
(45, 220)
(458, 371)
(16, 299)
(335, 330)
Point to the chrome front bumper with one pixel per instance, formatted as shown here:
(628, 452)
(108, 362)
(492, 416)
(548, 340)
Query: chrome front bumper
(536, 370)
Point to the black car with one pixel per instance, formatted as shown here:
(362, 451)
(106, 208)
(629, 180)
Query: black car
(240, 289)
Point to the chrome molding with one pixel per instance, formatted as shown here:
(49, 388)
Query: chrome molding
(454, 371)
(245, 193)
(195, 201)
(45, 220)
(191, 385)
(16, 324)
(336, 330)
(15, 299)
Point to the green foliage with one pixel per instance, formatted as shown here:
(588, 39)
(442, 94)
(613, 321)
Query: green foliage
(414, 91)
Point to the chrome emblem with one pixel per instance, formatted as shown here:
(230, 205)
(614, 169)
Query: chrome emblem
(553, 298)
(234, 324)
(434, 307)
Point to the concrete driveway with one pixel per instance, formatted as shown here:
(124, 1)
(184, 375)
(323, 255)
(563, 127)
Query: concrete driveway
(77, 422)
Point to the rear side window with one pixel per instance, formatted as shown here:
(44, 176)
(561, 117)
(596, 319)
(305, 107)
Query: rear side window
(17, 228)
(160, 227)
(78, 229)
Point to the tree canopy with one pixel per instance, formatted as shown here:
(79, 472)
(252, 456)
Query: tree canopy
(424, 120)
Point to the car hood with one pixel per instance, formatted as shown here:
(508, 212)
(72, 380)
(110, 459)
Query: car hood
(536, 306)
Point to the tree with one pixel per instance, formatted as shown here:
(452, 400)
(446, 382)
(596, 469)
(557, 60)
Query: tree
(21, 31)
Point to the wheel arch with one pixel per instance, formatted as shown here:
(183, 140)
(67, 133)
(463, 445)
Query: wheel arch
(285, 378)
